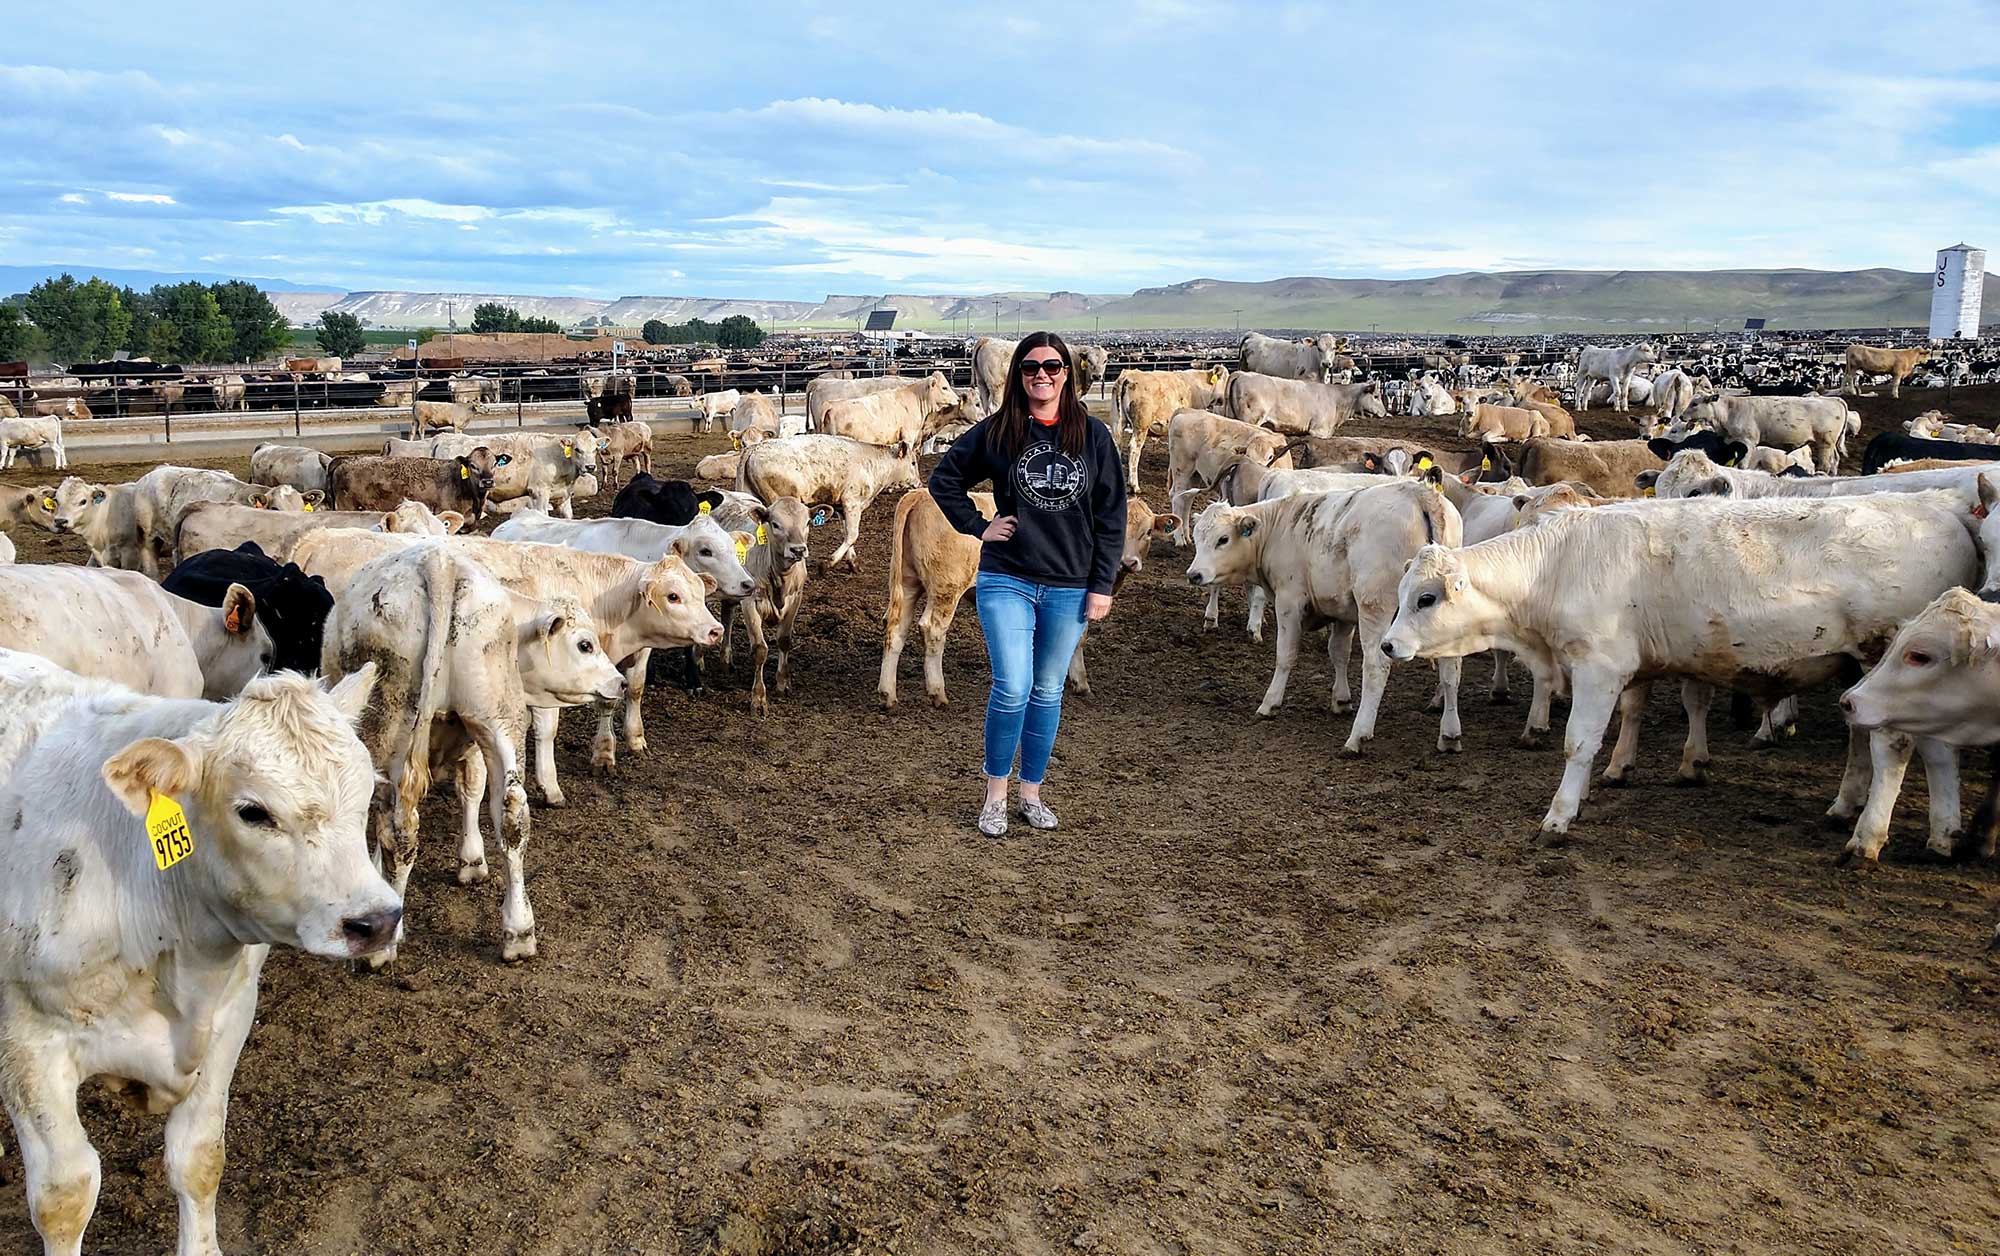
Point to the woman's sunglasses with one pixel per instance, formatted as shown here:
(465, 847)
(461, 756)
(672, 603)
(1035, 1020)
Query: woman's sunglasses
(1031, 367)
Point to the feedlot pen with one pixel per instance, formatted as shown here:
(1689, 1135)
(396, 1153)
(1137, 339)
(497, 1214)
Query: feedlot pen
(1250, 999)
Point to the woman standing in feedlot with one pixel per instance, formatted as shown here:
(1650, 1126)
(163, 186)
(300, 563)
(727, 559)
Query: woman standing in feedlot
(1049, 558)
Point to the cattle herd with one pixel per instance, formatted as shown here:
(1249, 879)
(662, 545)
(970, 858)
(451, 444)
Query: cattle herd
(168, 689)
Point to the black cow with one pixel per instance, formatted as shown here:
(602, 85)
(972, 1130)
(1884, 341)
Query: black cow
(610, 408)
(292, 605)
(1722, 451)
(1901, 447)
(672, 502)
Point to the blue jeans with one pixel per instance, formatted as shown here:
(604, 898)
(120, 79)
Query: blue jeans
(1031, 632)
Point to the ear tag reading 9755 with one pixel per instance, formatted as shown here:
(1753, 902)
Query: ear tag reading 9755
(167, 829)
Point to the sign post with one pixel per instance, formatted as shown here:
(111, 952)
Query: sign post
(417, 374)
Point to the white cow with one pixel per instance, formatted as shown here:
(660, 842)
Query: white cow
(460, 657)
(1615, 367)
(1334, 557)
(19, 434)
(1768, 597)
(716, 405)
(300, 466)
(1824, 423)
(122, 627)
(143, 975)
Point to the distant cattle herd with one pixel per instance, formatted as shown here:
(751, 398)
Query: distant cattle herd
(155, 692)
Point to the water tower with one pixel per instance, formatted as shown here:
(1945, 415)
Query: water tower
(1956, 286)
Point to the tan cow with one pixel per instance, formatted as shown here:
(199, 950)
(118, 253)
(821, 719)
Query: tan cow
(1897, 364)
(215, 525)
(775, 556)
(1610, 466)
(1200, 445)
(633, 440)
(35, 506)
(163, 495)
(300, 466)
(928, 558)
(1144, 402)
(907, 414)
(439, 416)
(1494, 425)
(717, 467)
(819, 469)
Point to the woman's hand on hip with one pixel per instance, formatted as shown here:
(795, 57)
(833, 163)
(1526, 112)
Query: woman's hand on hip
(1096, 606)
(1001, 529)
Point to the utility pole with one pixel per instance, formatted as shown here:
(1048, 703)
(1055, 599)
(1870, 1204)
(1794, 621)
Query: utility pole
(1239, 321)
(996, 315)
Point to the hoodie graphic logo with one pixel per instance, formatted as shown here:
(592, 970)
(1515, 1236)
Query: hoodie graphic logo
(1048, 477)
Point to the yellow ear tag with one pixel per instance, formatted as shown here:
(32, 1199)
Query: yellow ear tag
(463, 474)
(309, 507)
(742, 549)
(1649, 492)
(1423, 464)
(167, 828)
(569, 450)
(762, 536)
(1486, 464)
(705, 507)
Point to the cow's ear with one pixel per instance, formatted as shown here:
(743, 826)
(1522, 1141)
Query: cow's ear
(1371, 463)
(708, 585)
(239, 609)
(151, 766)
(1246, 528)
(259, 501)
(352, 693)
(1165, 524)
(1646, 479)
(709, 498)
(820, 515)
(1661, 448)
(1989, 494)
(314, 498)
(1738, 451)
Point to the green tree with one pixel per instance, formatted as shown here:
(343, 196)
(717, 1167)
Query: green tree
(547, 326)
(426, 334)
(84, 322)
(491, 316)
(655, 332)
(739, 331)
(19, 338)
(145, 312)
(191, 326)
(260, 330)
(340, 334)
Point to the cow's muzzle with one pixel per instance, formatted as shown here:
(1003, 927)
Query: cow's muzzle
(371, 932)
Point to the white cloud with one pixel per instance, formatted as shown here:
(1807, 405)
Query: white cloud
(73, 198)
(956, 130)
(142, 198)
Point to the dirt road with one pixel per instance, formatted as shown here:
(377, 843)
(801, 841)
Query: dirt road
(1250, 999)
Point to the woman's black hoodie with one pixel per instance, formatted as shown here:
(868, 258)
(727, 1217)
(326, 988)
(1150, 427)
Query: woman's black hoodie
(1069, 511)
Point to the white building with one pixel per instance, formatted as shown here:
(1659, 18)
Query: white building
(1957, 284)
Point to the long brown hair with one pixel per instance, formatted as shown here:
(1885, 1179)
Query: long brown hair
(1012, 421)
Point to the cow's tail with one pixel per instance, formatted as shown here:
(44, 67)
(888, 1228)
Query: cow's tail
(743, 472)
(1225, 481)
(1118, 415)
(897, 548)
(1289, 447)
(440, 578)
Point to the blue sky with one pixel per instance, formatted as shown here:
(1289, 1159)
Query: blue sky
(792, 150)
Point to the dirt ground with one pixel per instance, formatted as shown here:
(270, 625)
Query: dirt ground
(1250, 999)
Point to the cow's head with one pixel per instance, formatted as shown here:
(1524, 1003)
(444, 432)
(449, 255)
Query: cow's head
(280, 849)
(1141, 526)
(1920, 686)
(1692, 473)
(77, 504)
(710, 552)
(477, 469)
(671, 598)
(35, 505)
(562, 660)
(1437, 609)
(1226, 545)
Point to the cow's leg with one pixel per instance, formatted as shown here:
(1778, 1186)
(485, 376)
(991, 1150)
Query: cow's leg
(936, 624)
(1211, 615)
(635, 696)
(895, 631)
(1290, 618)
(1537, 727)
(1895, 384)
(1339, 647)
(729, 609)
(193, 1153)
(1133, 445)
(1501, 690)
(753, 622)
(1782, 715)
(544, 721)
(786, 622)
(507, 805)
(60, 1165)
(1847, 380)
(1947, 813)
(1451, 736)
(1260, 597)
(1889, 755)
(1853, 791)
(1078, 678)
(853, 511)
(1631, 711)
(1595, 690)
(1695, 700)
(1374, 679)
(471, 796)
(1986, 821)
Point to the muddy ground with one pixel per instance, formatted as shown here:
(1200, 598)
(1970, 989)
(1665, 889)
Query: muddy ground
(1250, 999)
